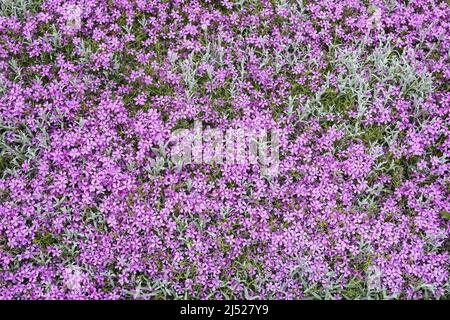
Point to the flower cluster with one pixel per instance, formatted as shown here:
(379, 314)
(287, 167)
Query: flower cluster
(91, 207)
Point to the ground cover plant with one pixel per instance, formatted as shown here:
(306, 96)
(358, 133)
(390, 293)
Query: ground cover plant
(92, 206)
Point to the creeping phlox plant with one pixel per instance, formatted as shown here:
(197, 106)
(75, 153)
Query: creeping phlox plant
(94, 204)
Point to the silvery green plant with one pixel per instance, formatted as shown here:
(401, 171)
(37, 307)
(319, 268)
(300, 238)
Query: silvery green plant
(384, 65)
(189, 71)
(17, 146)
(18, 8)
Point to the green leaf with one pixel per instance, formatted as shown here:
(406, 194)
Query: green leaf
(445, 215)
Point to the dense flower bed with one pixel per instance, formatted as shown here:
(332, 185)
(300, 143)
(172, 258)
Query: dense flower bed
(92, 207)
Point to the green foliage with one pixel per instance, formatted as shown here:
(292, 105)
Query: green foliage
(354, 289)
(300, 89)
(45, 239)
(337, 102)
(372, 134)
(18, 8)
(445, 215)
